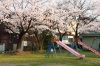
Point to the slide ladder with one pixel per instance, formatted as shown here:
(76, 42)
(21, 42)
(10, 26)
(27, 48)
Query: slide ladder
(69, 49)
(91, 49)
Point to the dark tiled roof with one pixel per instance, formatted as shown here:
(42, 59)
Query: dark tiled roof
(91, 34)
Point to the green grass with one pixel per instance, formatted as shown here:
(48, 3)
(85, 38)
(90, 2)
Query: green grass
(37, 59)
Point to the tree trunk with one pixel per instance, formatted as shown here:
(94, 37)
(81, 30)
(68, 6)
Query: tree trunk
(60, 37)
(76, 32)
(41, 47)
(19, 42)
(76, 38)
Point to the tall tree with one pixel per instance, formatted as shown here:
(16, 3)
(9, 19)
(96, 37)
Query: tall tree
(20, 16)
(82, 12)
(56, 18)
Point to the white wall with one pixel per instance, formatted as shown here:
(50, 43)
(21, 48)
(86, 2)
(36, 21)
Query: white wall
(2, 47)
(24, 43)
(14, 46)
(89, 40)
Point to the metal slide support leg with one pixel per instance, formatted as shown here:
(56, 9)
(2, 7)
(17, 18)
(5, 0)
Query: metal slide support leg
(81, 49)
(54, 50)
(76, 47)
(61, 51)
(48, 49)
(93, 41)
(72, 46)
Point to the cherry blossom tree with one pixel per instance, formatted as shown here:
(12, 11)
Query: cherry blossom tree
(53, 22)
(20, 16)
(56, 19)
(91, 27)
(40, 35)
(81, 13)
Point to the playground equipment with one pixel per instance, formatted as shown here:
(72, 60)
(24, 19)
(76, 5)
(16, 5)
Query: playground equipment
(51, 45)
(91, 49)
(50, 49)
(73, 45)
(70, 49)
(64, 46)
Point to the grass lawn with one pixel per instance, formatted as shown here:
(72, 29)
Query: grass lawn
(37, 59)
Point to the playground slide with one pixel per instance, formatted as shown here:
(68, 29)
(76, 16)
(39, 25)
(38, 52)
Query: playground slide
(69, 49)
(86, 46)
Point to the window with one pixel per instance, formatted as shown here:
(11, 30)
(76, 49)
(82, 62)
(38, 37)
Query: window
(10, 40)
(65, 38)
(70, 39)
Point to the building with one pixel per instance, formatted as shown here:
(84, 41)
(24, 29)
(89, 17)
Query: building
(91, 39)
(7, 40)
(67, 38)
